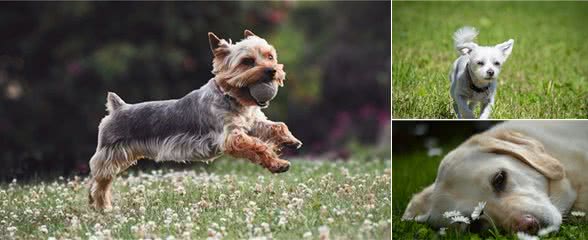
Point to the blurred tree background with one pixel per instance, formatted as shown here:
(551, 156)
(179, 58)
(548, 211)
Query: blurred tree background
(58, 60)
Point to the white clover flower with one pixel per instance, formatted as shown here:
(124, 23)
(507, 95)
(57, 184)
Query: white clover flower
(460, 219)
(451, 214)
(578, 213)
(43, 229)
(524, 236)
(283, 221)
(478, 210)
(442, 231)
(266, 227)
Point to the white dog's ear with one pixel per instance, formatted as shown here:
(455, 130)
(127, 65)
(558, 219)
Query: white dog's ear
(247, 33)
(466, 48)
(506, 47)
(419, 206)
(523, 148)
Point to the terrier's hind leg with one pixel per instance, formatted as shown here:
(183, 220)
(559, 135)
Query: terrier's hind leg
(104, 166)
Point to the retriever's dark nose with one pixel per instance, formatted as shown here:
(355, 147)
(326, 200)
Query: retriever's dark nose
(527, 223)
(490, 72)
(269, 71)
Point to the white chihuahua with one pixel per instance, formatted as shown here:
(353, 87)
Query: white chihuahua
(474, 74)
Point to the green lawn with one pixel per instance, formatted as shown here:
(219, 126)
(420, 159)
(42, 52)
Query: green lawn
(546, 75)
(413, 172)
(231, 199)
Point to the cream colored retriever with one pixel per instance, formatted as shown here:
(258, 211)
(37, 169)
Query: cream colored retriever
(529, 173)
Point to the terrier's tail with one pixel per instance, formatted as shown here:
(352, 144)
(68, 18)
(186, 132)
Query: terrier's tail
(113, 102)
(464, 35)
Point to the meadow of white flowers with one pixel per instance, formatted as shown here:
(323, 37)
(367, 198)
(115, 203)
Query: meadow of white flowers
(230, 200)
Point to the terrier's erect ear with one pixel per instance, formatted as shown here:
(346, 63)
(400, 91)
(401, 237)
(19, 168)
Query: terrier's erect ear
(506, 47)
(248, 33)
(466, 48)
(217, 45)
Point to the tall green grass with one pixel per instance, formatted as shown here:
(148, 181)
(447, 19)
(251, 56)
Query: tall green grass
(546, 75)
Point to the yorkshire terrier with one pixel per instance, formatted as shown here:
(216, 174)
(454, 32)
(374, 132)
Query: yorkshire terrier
(222, 117)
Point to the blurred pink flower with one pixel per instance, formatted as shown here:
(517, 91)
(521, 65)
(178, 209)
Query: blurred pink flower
(74, 68)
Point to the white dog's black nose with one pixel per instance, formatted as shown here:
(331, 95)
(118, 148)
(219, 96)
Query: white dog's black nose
(490, 72)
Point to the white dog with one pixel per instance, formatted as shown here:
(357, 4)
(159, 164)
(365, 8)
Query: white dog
(529, 173)
(474, 74)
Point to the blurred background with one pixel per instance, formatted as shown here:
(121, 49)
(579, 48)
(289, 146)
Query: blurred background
(433, 137)
(58, 60)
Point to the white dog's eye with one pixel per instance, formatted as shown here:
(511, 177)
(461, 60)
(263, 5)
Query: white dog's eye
(497, 63)
(480, 63)
(499, 181)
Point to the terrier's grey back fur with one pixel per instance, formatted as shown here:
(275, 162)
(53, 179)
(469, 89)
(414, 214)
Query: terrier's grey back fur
(182, 129)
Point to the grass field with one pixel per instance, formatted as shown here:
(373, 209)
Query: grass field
(231, 199)
(413, 172)
(546, 75)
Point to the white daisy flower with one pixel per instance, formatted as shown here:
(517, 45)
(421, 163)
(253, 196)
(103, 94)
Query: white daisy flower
(442, 231)
(451, 214)
(524, 236)
(578, 213)
(478, 210)
(460, 219)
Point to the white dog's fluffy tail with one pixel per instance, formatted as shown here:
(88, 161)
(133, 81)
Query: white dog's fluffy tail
(464, 35)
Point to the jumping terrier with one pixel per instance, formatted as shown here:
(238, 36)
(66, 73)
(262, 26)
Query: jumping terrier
(222, 117)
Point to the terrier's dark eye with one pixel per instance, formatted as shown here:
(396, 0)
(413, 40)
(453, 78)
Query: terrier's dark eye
(270, 57)
(480, 63)
(497, 63)
(499, 181)
(248, 61)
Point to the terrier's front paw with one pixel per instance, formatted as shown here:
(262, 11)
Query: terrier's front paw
(279, 166)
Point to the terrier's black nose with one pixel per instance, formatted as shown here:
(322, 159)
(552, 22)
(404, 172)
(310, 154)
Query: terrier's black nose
(269, 71)
(490, 72)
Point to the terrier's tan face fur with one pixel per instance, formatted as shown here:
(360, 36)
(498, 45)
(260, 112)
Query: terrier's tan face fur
(239, 65)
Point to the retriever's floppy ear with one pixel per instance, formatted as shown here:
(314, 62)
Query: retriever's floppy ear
(419, 206)
(523, 148)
